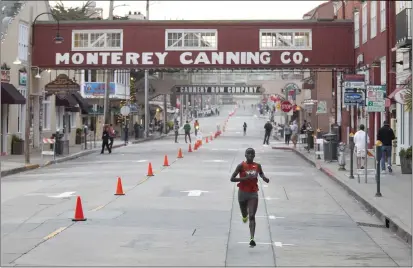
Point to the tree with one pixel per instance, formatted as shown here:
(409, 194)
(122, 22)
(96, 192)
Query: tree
(74, 13)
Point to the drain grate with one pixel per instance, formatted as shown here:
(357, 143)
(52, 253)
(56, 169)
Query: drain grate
(371, 225)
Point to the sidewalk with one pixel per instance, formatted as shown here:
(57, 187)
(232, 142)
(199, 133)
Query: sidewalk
(393, 208)
(12, 164)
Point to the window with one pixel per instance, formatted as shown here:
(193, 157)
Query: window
(373, 19)
(191, 40)
(285, 39)
(46, 113)
(364, 21)
(356, 30)
(92, 40)
(59, 118)
(383, 70)
(382, 16)
(72, 120)
(23, 44)
(90, 75)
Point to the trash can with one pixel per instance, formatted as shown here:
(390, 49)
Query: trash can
(310, 138)
(330, 147)
(336, 129)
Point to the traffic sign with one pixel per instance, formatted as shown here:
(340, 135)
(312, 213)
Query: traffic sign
(355, 84)
(353, 98)
(286, 106)
(125, 110)
(376, 98)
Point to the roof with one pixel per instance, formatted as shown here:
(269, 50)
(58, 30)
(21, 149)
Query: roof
(314, 10)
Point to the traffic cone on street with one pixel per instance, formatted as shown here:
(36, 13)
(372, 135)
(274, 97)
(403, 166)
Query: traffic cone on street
(212, 138)
(79, 211)
(119, 188)
(196, 146)
(180, 153)
(150, 172)
(189, 149)
(165, 161)
(206, 140)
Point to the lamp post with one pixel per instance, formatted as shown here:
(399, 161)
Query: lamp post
(57, 40)
(147, 86)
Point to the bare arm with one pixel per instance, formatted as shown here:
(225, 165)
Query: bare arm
(235, 174)
(262, 175)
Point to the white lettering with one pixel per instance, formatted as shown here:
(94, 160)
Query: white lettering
(202, 58)
(183, 57)
(265, 58)
(284, 59)
(116, 58)
(92, 58)
(253, 58)
(161, 57)
(298, 57)
(78, 58)
(132, 58)
(243, 57)
(105, 56)
(147, 58)
(232, 58)
(62, 58)
(217, 57)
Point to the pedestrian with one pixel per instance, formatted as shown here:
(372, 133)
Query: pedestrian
(196, 127)
(360, 146)
(105, 140)
(248, 189)
(187, 129)
(268, 129)
(176, 128)
(294, 133)
(245, 128)
(386, 136)
(287, 134)
(112, 135)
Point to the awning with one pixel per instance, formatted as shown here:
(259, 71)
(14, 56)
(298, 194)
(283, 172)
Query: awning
(398, 93)
(10, 95)
(66, 100)
(84, 106)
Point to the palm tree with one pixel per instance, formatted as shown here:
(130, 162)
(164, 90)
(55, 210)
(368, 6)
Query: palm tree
(73, 13)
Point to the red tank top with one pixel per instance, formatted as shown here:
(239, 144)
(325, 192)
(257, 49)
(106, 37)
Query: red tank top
(249, 185)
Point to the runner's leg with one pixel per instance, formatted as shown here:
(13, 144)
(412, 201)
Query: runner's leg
(252, 210)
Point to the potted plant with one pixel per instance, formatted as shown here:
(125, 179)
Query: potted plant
(406, 160)
(17, 145)
(78, 139)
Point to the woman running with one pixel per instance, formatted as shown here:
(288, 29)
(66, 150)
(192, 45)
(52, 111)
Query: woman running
(248, 189)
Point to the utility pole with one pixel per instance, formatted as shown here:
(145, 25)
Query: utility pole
(106, 103)
(147, 86)
(27, 124)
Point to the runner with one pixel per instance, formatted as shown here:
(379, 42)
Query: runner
(245, 128)
(248, 189)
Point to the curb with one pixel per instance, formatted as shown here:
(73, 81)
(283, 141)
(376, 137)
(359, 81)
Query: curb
(393, 226)
(67, 158)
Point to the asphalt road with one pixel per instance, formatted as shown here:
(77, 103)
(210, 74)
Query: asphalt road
(303, 219)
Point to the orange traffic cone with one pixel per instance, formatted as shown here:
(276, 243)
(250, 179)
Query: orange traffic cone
(180, 153)
(150, 172)
(189, 149)
(206, 140)
(119, 188)
(211, 138)
(196, 146)
(79, 211)
(165, 161)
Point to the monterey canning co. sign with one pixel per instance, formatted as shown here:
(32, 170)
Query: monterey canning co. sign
(180, 58)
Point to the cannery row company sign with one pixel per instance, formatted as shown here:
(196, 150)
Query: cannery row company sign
(181, 58)
(207, 89)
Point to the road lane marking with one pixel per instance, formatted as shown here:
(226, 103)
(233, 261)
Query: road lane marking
(63, 195)
(215, 161)
(271, 217)
(97, 208)
(280, 244)
(270, 198)
(277, 244)
(53, 234)
(194, 192)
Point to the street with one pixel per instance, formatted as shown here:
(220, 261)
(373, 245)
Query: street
(187, 214)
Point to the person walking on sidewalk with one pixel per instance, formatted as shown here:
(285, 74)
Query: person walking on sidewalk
(294, 133)
(268, 129)
(287, 134)
(105, 140)
(360, 146)
(112, 135)
(248, 189)
(187, 129)
(386, 136)
(176, 129)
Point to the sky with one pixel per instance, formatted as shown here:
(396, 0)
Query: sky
(210, 10)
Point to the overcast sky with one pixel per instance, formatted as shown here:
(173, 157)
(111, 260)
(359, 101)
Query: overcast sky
(211, 10)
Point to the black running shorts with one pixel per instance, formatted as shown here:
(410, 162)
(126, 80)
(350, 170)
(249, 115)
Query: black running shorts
(245, 196)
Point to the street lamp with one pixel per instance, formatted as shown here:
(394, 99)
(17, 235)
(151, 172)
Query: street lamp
(57, 40)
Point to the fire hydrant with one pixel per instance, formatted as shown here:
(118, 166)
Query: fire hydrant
(341, 156)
